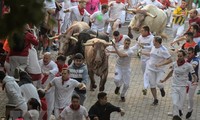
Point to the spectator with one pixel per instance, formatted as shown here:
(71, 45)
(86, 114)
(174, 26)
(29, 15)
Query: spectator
(179, 73)
(122, 68)
(78, 71)
(192, 59)
(49, 70)
(28, 90)
(33, 110)
(155, 68)
(64, 87)
(43, 112)
(74, 111)
(102, 109)
(13, 92)
(144, 43)
(61, 64)
(18, 55)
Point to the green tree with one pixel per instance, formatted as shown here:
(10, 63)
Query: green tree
(21, 12)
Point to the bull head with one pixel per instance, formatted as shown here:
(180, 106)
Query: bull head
(140, 17)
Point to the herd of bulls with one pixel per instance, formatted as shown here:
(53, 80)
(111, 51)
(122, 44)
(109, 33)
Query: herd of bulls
(79, 38)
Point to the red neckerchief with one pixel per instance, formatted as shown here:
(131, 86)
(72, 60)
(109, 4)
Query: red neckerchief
(81, 10)
(121, 36)
(180, 63)
(71, 106)
(147, 34)
(189, 59)
(64, 80)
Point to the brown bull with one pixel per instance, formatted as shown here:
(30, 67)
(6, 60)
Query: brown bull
(68, 40)
(97, 61)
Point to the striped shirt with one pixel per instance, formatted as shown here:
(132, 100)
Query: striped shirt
(181, 19)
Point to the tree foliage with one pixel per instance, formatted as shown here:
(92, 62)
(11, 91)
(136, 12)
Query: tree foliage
(21, 12)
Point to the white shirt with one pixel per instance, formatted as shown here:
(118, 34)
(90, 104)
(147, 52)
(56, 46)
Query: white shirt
(51, 67)
(120, 43)
(32, 115)
(147, 42)
(198, 10)
(99, 25)
(180, 73)
(124, 62)
(49, 4)
(69, 114)
(63, 92)
(13, 91)
(149, 2)
(75, 14)
(33, 64)
(116, 10)
(29, 91)
(157, 55)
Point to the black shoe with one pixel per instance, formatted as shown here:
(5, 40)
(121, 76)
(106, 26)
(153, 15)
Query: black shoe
(188, 115)
(117, 90)
(162, 91)
(176, 117)
(123, 99)
(155, 102)
(180, 112)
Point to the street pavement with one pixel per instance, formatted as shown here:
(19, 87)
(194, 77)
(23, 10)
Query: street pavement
(137, 106)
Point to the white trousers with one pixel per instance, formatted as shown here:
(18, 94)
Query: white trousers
(191, 92)
(178, 30)
(122, 77)
(178, 98)
(154, 78)
(50, 97)
(17, 61)
(145, 77)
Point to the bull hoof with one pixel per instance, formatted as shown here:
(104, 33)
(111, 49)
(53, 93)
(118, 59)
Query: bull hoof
(91, 89)
(130, 35)
(101, 89)
(94, 86)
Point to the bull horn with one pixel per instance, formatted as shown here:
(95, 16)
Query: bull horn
(54, 37)
(73, 38)
(131, 11)
(94, 36)
(151, 15)
(109, 43)
(75, 34)
(88, 44)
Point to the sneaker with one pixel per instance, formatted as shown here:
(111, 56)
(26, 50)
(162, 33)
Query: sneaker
(123, 99)
(117, 90)
(180, 113)
(162, 91)
(155, 102)
(176, 117)
(188, 115)
(144, 91)
(198, 93)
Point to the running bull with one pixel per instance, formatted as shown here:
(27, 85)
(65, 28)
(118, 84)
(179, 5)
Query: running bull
(149, 15)
(97, 61)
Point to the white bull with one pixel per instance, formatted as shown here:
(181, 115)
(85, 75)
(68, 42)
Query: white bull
(149, 15)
